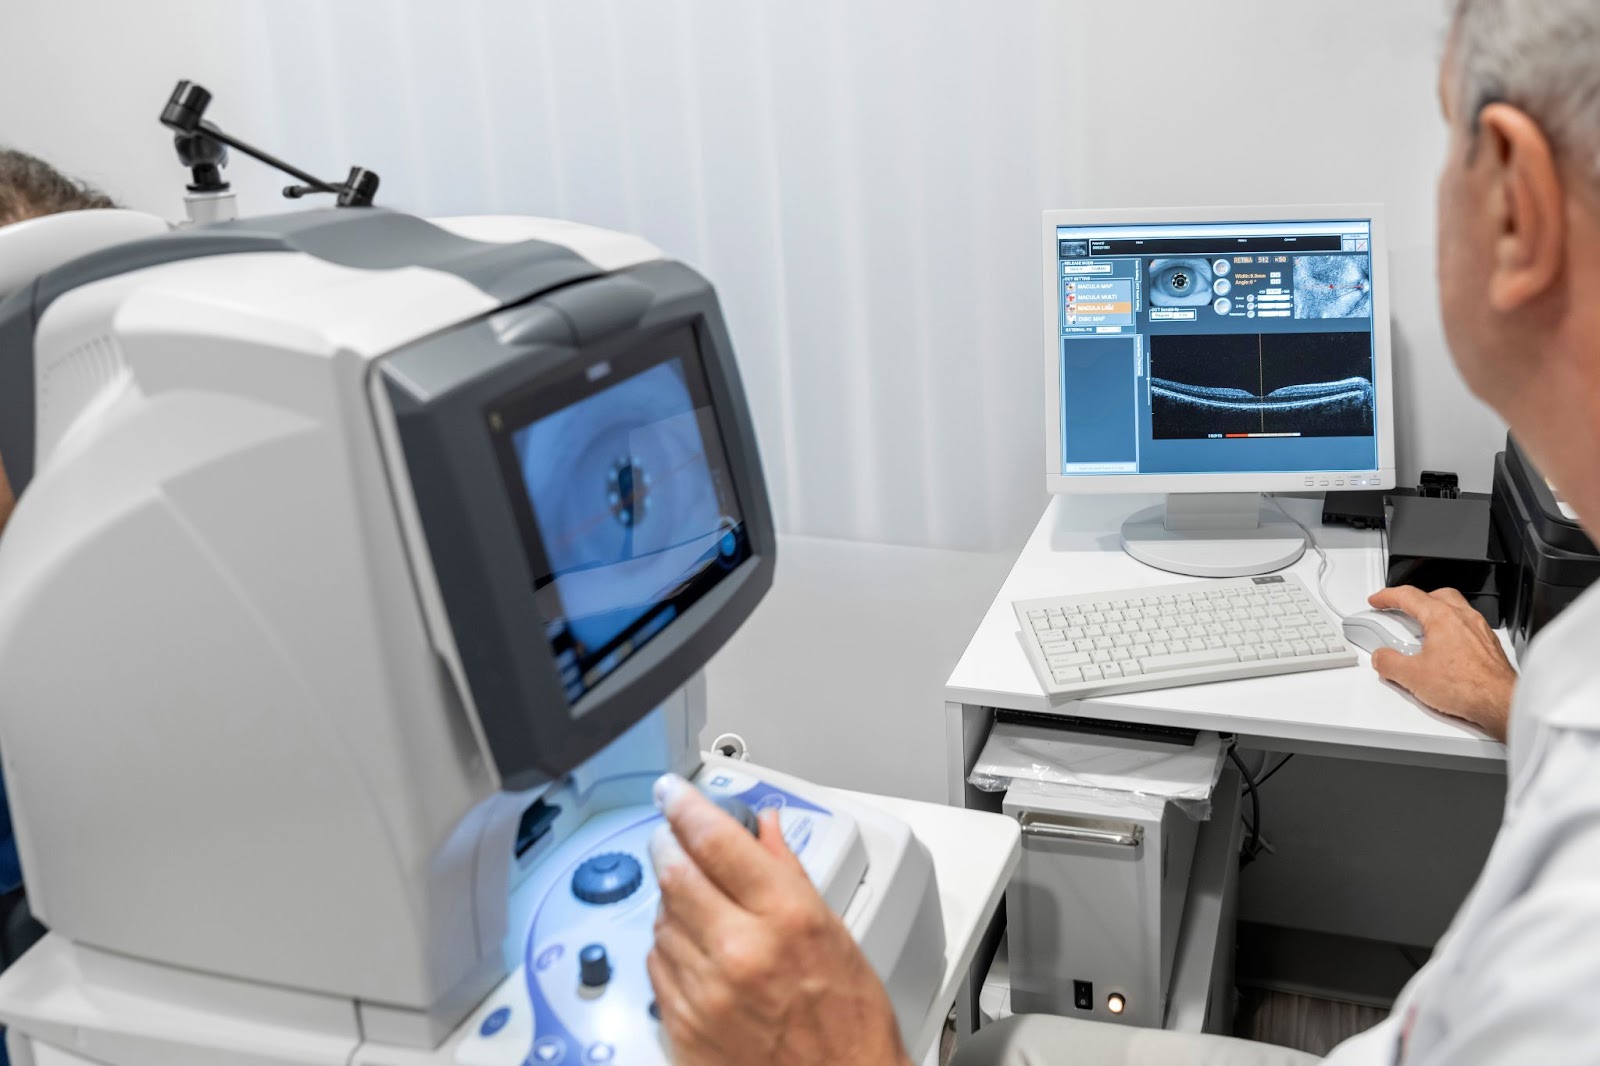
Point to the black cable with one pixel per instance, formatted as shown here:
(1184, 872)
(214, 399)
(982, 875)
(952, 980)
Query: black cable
(1254, 846)
(1268, 775)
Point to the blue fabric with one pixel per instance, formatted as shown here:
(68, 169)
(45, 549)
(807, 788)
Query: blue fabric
(10, 864)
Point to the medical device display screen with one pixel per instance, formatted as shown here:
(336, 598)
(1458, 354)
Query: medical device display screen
(1235, 347)
(631, 515)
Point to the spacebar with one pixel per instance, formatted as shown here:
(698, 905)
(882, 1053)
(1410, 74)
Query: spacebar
(1183, 659)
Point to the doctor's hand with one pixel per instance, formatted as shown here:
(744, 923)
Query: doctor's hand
(1462, 670)
(750, 967)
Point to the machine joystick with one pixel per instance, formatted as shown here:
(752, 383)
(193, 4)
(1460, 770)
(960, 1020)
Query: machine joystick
(608, 878)
(740, 812)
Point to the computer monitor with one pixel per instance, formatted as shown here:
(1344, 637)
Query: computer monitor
(1213, 355)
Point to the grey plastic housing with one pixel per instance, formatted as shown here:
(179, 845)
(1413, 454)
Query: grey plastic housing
(370, 239)
(443, 392)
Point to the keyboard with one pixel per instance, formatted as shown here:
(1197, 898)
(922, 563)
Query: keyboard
(1163, 636)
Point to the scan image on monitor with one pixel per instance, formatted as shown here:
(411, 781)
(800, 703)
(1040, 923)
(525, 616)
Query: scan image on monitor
(1239, 348)
(632, 511)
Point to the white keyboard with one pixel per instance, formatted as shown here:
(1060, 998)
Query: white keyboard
(1162, 636)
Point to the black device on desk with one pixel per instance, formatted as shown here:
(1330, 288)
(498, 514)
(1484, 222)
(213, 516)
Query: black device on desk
(1550, 560)
(1436, 537)
(1439, 542)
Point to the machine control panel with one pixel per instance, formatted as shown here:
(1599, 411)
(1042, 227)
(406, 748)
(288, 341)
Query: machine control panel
(583, 995)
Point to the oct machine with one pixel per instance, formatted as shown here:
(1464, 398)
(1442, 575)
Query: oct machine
(358, 592)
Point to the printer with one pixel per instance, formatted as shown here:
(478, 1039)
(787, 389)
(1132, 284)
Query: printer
(359, 587)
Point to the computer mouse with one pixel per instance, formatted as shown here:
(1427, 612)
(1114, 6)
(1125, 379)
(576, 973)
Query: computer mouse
(1371, 630)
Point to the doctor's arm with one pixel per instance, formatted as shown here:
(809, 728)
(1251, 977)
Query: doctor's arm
(1462, 670)
(750, 966)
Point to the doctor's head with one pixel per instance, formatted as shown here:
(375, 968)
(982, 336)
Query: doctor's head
(31, 188)
(1519, 204)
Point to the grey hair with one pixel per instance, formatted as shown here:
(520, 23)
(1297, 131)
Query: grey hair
(1542, 56)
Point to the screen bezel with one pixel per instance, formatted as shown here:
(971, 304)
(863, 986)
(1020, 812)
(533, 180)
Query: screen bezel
(1270, 481)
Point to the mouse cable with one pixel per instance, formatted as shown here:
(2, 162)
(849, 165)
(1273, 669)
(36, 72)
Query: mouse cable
(1323, 562)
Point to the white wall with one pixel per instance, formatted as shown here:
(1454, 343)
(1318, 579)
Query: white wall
(862, 180)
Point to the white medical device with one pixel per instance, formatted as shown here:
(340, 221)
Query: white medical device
(361, 577)
(1214, 355)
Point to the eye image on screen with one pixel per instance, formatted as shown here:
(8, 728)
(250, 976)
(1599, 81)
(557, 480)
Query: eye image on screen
(1180, 282)
(630, 496)
(1300, 384)
(1332, 286)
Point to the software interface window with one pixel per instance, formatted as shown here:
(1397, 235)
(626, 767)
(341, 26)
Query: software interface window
(1217, 348)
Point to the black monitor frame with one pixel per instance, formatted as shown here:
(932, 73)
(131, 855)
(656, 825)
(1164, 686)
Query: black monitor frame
(446, 393)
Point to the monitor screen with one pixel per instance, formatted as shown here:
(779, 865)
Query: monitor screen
(1217, 348)
(627, 507)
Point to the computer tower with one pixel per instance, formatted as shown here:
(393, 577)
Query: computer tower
(1095, 908)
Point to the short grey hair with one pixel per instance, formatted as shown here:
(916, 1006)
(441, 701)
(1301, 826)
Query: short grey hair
(1542, 56)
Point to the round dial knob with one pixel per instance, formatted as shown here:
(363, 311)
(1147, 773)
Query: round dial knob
(594, 969)
(608, 878)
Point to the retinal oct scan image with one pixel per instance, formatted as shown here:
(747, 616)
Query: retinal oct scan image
(1312, 384)
(1332, 286)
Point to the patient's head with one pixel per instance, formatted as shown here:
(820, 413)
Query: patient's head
(30, 187)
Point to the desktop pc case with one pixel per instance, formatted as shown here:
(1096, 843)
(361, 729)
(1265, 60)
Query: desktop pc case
(1549, 559)
(1096, 905)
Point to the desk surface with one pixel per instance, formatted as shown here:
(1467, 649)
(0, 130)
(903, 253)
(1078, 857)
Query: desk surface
(974, 854)
(1076, 548)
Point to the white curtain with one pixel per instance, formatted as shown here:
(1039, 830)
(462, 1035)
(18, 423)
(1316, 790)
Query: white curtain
(861, 179)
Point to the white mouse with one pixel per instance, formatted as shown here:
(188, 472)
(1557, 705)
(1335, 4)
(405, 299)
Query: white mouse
(1371, 630)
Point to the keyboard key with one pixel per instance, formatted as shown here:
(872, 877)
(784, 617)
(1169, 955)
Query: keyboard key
(1213, 643)
(1140, 650)
(1186, 660)
(1098, 656)
(1301, 647)
(1079, 658)
(1038, 612)
(1266, 651)
(1247, 653)
(1284, 649)
(1094, 631)
(1131, 668)
(1091, 673)
(1120, 655)
(1070, 675)
(1076, 633)
(1112, 628)
(1110, 671)
(1122, 640)
(1158, 647)
(1103, 643)
(1113, 615)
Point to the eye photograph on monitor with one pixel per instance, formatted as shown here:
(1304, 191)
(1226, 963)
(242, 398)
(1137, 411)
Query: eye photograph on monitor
(1249, 348)
(627, 505)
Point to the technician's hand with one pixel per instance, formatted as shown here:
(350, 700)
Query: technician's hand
(1461, 670)
(750, 966)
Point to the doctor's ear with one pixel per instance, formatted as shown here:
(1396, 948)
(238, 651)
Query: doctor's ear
(1526, 204)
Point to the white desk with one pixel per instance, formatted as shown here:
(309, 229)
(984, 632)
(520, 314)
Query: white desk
(974, 855)
(1075, 548)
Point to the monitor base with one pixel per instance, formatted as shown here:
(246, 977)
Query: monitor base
(1238, 540)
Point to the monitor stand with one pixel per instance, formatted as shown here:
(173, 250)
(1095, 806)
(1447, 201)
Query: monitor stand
(1213, 534)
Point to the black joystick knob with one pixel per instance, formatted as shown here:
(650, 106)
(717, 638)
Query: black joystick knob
(594, 968)
(740, 812)
(608, 878)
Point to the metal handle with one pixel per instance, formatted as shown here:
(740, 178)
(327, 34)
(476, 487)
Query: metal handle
(1036, 825)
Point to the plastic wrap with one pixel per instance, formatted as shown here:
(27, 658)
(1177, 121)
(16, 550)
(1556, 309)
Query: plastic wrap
(1149, 773)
